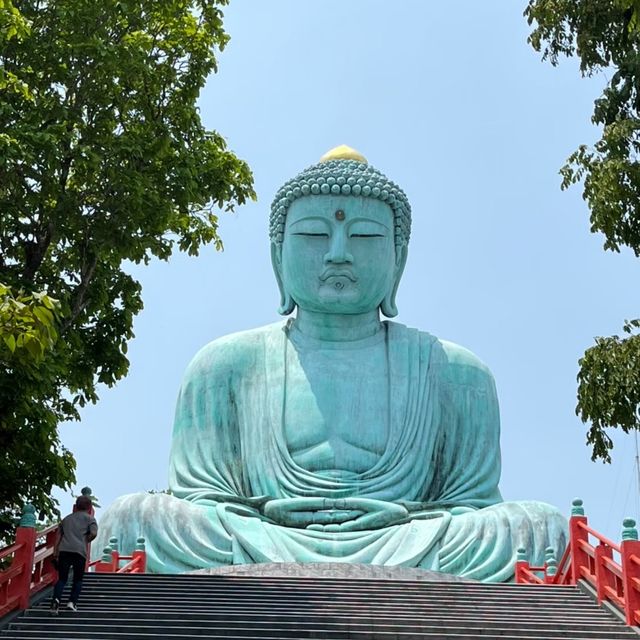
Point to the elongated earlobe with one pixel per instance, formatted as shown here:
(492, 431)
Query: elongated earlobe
(388, 306)
(287, 304)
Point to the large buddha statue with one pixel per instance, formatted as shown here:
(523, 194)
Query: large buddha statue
(335, 436)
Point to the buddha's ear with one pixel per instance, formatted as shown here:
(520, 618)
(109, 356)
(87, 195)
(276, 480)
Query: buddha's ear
(388, 305)
(287, 305)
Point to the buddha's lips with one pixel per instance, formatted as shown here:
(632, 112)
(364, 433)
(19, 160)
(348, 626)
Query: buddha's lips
(337, 273)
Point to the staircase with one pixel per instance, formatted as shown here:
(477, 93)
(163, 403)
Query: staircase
(145, 606)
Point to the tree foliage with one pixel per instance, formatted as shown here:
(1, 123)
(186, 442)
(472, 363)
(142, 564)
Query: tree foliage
(104, 160)
(27, 327)
(12, 25)
(28, 434)
(609, 386)
(605, 36)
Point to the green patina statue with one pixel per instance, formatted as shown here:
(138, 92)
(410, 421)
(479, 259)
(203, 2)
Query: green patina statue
(334, 436)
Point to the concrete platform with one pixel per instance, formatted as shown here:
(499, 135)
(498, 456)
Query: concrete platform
(331, 570)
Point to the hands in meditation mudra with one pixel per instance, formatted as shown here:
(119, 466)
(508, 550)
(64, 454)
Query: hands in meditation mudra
(335, 436)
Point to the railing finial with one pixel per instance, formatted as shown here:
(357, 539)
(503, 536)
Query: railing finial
(577, 508)
(106, 554)
(629, 531)
(113, 543)
(521, 554)
(140, 544)
(28, 518)
(550, 561)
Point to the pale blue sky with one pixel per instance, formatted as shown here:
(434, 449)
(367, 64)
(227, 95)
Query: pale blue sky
(450, 102)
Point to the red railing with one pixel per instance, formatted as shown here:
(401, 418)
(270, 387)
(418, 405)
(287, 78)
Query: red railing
(30, 568)
(111, 561)
(613, 570)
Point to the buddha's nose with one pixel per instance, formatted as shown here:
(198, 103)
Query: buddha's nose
(338, 250)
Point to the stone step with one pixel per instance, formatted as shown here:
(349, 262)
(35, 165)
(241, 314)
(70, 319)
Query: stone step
(553, 621)
(373, 613)
(392, 609)
(245, 579)
(254, 600)
(218, 634)
(541, 593)
(179, 579)
(203, 618)
(393, 614)
(242, 627)
(206, 617)
(257, 598)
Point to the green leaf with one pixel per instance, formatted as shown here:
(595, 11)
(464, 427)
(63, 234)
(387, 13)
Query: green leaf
(44, 315)
(10, 341)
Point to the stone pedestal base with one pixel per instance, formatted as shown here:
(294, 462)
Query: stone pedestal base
(331, 570)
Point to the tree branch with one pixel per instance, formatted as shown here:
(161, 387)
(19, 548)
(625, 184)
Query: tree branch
(79, 303)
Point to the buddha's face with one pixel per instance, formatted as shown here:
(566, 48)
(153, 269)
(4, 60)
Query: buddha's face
(338, 254)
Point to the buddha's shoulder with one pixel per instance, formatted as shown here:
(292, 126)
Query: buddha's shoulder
(233, 352)
(452, 359)
(457, 366)
(455, 355)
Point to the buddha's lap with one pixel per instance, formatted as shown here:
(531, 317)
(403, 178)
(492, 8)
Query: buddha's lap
(181, 535)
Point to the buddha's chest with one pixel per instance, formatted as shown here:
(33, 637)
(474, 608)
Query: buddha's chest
(336, 412)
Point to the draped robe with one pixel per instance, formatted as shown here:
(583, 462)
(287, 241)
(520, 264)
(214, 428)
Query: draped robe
(441, 461)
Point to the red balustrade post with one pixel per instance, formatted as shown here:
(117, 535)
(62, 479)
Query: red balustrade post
(577, 534)
(604, 577)
(522, 562)
(141, 553)
(49, 570)
(115, 561)
(631, 571)
(26, 537)
(115, 554)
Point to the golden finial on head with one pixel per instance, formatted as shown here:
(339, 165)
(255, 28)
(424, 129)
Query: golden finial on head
(343, 152)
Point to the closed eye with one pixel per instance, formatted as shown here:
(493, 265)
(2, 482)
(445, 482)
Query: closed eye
(311, 235)
(367, 235)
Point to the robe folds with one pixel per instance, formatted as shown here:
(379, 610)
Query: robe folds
(441, 461)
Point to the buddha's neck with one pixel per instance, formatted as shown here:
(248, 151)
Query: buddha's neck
(336, 327)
